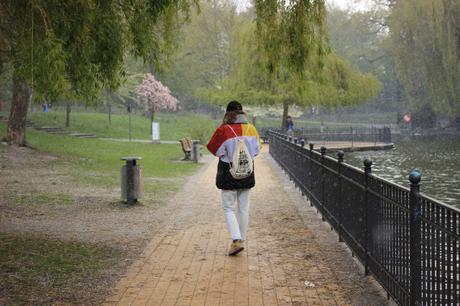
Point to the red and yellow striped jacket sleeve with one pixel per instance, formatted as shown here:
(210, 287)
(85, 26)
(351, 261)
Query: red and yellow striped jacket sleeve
(222, 143)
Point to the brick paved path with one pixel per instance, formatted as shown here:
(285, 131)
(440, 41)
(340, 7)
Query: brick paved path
(186, 263)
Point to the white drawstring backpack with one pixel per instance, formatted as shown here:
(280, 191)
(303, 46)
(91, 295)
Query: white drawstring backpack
(242, 164)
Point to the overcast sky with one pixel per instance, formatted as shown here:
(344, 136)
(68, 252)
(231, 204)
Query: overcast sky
(354, 4)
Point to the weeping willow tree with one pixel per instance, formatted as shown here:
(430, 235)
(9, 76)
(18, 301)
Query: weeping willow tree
(74, 49)
(332, 84)
(425, 37)
(289, 34)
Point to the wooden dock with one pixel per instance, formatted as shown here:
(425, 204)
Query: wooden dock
(349, 146)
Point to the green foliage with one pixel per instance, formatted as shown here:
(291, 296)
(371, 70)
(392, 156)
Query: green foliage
(335, 84)
(49, 70)
(361, 38)
(340, 84)
(203, 60)
(290, 33)
(425, 39)
(74, 49)
(202, 131)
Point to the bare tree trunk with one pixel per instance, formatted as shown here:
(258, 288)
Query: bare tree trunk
(67, 114)
(108, 102)
(151, 68)
(285, 114)
(110, 114)
(16, 130)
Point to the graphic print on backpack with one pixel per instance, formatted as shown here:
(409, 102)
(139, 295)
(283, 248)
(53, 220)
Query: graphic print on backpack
(242, 164)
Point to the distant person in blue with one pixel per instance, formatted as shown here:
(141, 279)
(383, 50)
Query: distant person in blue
(289, 126)
(45, 107)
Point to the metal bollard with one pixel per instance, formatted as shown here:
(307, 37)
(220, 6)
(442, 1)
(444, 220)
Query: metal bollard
(196, 148)
(302, 142)
(131, 180)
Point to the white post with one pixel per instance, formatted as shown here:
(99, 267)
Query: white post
(155, 132)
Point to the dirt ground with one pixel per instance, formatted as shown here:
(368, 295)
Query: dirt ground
(40, 198)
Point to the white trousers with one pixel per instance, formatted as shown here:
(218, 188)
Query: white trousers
(236, 226)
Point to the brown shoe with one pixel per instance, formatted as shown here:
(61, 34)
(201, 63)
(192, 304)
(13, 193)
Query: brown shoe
(235, 248)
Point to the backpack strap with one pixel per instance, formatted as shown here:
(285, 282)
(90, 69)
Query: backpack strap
(232, 130)
(247, 129)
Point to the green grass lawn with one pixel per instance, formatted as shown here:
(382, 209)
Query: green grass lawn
(96, 161)
(172, 126)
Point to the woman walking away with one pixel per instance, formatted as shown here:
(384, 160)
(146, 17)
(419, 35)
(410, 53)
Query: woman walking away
(236, 142)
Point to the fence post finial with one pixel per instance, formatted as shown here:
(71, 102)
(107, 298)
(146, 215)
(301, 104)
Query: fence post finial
(340, 156)
(415, 177)
(367, 165)
(367, 171)
(340, 208)
(302, 142)
(312, 145)
(323, 151)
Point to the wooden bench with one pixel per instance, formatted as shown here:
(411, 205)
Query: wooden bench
(186, 144)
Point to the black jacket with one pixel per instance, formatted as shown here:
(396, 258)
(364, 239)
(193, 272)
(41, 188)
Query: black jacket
(224, 180)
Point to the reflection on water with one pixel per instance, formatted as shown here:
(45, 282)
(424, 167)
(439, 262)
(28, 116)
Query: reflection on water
(437, 157)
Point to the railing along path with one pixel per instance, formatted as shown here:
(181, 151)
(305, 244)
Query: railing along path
(353, 134)
(407, 240)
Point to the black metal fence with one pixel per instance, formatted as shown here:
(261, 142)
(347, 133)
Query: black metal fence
(407, 240)
(371, 134)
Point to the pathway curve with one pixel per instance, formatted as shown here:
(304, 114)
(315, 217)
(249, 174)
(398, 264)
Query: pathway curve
(186, 263)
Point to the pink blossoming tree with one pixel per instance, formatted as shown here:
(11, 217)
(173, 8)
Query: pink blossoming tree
(154, 96)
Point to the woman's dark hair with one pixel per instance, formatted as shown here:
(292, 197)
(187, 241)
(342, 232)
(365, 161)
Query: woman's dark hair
(230, 117)
(234, 106)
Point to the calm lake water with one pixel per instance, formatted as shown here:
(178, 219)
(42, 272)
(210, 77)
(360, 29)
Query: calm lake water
(438, 158)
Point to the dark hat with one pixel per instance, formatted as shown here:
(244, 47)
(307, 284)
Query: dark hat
(234, 106)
